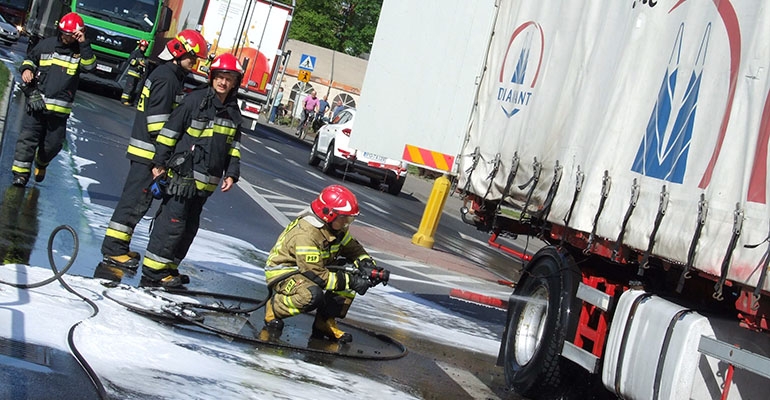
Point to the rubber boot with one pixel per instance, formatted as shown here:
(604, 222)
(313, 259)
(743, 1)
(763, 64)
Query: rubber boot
(327, 327)
(122, 261)
(39, 174)
(273, 326)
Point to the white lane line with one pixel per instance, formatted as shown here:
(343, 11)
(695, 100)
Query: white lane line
(471, 384)
(273, 150)
(290, 206)
(278, 216)
(294, 163)
(375, 208)
(314, 175)
(291, 185)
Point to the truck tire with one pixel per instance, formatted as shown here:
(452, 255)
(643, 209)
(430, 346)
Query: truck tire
(543, 314)
(313, 160)
(395, 186)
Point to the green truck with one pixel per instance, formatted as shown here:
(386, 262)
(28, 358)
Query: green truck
(113, 26)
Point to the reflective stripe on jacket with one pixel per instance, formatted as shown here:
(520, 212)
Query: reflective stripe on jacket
(307, 246)
(57, 68)
(161, 93)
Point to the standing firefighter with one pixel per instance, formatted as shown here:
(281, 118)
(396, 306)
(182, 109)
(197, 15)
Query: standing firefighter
(198, 149)
(134, 74)
(299, 269)
(50, 76)
(161, 93)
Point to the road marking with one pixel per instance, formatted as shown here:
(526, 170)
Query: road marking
(291, 185)
(471, 384)
(314, 175)
(262, 202)
(273, 150)
(378, 209)
(472, 239)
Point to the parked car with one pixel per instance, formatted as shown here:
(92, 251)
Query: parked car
(332, 151)
(8, 33)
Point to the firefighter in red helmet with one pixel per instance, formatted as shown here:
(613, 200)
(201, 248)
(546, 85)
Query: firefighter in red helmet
(50, 88)
(161, 93)
(299, 273)
(198, 150)
(137, 66)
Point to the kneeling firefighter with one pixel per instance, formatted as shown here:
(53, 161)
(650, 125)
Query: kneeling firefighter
(300, 269)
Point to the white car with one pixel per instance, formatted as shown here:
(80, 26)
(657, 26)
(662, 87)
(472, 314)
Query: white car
(331, 147)
(8, 33)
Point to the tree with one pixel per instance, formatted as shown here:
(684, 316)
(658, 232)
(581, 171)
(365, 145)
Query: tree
(345, 26)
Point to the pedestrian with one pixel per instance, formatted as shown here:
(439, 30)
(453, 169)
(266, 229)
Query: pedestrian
(298, 270)
(50, 76)
(161, 93)
(337, 108)
(136, 69)
(323, 106)
(207, 155)
(309, 107)
(276, 104)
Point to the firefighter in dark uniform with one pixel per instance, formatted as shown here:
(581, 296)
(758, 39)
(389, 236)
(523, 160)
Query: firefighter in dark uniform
(136, 69)
(50, 76)
(298, 269)
(161, 93)
(198, 149)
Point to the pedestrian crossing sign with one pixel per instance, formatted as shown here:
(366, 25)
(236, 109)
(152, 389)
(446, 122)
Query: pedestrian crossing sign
(307, 62)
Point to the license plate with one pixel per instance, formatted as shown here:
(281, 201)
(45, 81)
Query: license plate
(374, 157)
(105, 68)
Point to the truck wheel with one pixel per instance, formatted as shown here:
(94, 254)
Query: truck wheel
(328, 166)
(543, 314)
(395, 186)
(313, 161)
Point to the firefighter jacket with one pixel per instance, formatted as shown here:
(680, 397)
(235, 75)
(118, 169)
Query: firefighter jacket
(161, 93)
(136, 65)
(307, 246)
(208, 130)
(57, 68)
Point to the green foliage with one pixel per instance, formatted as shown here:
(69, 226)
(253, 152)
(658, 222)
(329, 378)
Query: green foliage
(4, 75)
(346, 26)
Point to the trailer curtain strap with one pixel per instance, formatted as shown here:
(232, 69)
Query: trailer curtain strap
(537, 168)
(629, 211)
(492, 175)
(508, 184)
(469, 172)
(579, 178)
(606, 185)
(703, 211)
(737, 226)
(762, 269)
(551, 192)
(662, 206)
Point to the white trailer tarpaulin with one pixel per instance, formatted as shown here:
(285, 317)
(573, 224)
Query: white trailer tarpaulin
(653, 94)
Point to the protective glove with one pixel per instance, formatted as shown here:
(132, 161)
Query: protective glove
(182, 186)
(358, 283)
(35, 101)
(366, 266)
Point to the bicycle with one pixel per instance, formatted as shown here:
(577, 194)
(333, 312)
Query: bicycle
(307, 122)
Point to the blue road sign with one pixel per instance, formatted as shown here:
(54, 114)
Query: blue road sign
(307, 62)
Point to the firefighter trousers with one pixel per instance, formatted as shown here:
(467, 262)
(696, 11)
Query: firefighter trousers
(134, 202)
(131, 91)
(173, 232)
(298, 294)
(40, 139)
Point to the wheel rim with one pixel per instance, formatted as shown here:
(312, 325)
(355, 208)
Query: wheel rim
(529, 330)
(328, 159)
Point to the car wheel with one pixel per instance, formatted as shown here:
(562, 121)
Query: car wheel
(395, 186)
(328, 166)
(314, 160)
(538, 325)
